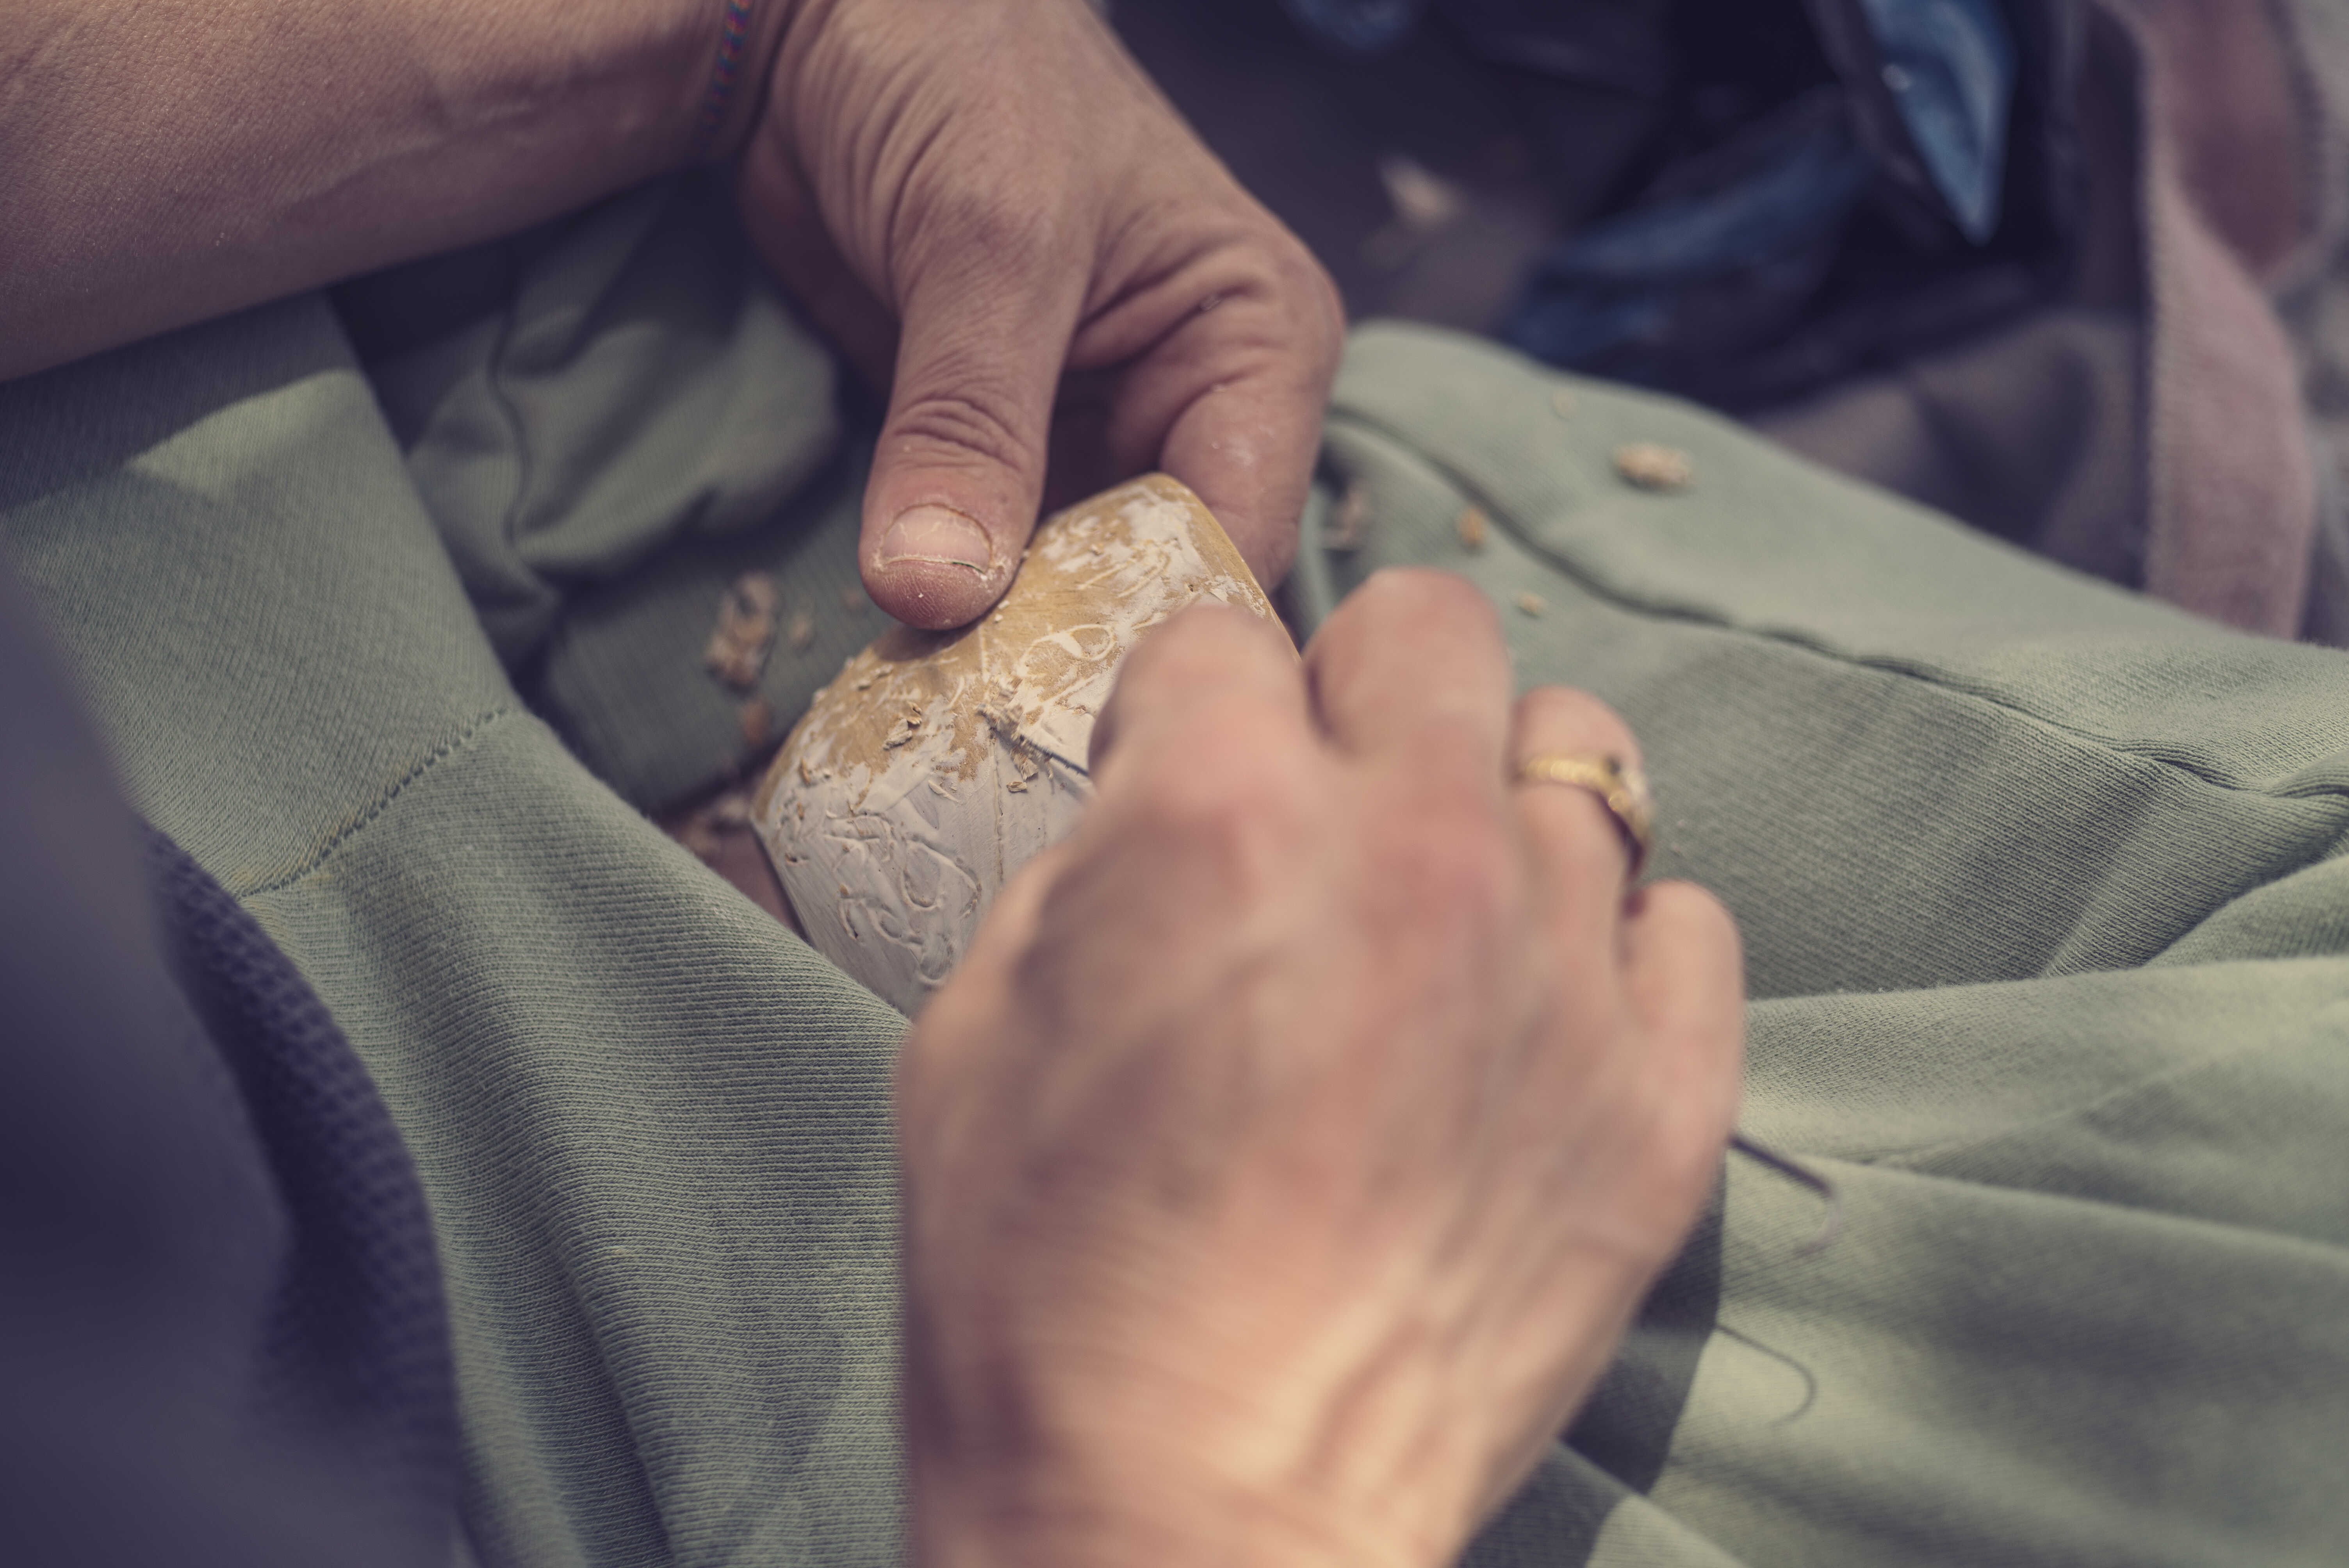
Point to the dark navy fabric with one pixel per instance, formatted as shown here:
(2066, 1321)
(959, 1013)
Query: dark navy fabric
(1832, 184)
(221, 1333)
(1950, 66)
(1728, 249)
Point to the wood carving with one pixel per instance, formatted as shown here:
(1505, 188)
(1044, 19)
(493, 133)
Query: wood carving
(937, 764)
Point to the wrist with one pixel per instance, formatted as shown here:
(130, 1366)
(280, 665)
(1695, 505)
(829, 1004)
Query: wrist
(996, 1519)
(742, 40)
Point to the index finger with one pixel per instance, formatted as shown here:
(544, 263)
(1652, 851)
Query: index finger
(1231, 364)
(1248, 443)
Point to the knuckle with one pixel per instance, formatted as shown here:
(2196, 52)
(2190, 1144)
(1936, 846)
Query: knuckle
(1591, 852)
(1199, 645)
(1429, 599)
(962, 205)
(1455, 865)
(1202, 672)
(1309, 281)
(1294, 278)
(1231, 802)
(972, 422)
(1702, 923)
(1012, 240)
(1554, 715)
(1275, 300)
(1402, 606)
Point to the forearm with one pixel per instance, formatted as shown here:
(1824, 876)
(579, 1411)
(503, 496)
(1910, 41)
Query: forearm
(1153, 1498)
(163, 162)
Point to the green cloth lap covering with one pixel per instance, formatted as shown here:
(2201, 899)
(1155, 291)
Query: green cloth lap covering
(653, 1124)
(2045, 910)
(2041, 883)
(611, 418)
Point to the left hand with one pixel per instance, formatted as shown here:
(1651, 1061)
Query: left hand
(998, 216)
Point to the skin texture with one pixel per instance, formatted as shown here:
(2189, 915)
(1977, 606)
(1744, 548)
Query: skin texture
(1287, 1158)
(986, 204)
(165, 161)
(1061, 287)
(1289, 1153)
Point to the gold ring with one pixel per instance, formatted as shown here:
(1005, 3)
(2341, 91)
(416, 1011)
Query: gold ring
(1616, 784)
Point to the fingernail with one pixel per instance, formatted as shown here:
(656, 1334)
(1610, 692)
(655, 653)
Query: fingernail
(939, 534)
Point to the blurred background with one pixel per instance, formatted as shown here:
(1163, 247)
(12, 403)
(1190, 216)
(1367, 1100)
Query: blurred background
(2068, 270)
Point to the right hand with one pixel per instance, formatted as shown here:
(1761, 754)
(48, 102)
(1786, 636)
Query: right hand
(1285, 1161)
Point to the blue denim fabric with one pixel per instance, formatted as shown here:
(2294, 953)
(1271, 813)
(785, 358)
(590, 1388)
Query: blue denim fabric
(1950, 66)
(1361, 26)
(1626, 284)
(1697, 247)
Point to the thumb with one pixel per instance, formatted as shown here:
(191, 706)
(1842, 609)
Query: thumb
(959, 470)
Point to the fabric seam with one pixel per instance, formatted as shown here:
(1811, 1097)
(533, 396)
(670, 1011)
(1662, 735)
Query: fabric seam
(1907, 1159)
(1899, 1156)
(1889, 664)
(463, 739)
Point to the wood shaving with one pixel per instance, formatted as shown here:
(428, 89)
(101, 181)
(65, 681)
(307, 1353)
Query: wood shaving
(852, 598)
(745, 632)
(1651, 467)
(802, 636)
(1423, 202)
(1472, 527)
(1350, 520)
(1532, 604)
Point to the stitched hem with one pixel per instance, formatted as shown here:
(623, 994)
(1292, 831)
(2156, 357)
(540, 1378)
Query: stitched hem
(461, 740)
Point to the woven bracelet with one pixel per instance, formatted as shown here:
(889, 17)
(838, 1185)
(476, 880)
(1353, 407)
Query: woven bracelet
(733, 38)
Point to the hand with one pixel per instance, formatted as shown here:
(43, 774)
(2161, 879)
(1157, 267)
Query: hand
(990, 196)
(1285, 1161)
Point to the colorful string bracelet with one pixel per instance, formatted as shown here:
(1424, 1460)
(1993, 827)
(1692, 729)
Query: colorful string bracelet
(733, 40)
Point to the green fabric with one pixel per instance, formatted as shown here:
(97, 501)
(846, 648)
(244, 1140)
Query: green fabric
(2046, 912)
(611, 418)
(2042, 885)
(653, 1125)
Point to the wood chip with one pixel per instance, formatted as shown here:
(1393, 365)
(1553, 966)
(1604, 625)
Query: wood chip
(756, 590)
(1651, 467)
(802, 636)
(1561, 403)
(1532, 604)
(1471, 526)
(925, 819)
(745, 632)
(1425, 202)
(854, 598)
(1350, 520)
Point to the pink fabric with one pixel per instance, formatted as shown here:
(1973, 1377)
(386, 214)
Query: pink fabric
(2231, 484)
